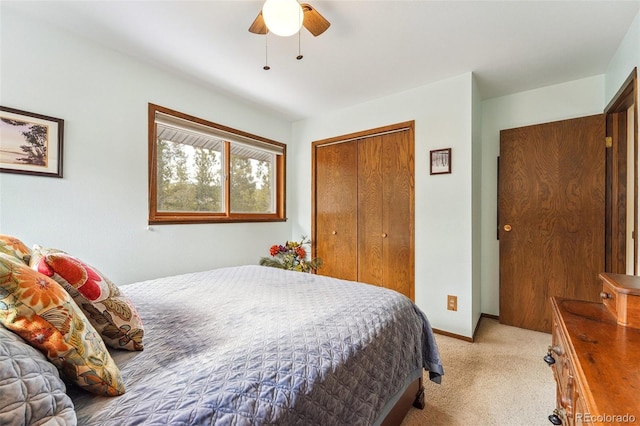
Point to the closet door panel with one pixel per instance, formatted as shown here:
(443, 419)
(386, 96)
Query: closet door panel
(370, 220)
(397, 213)
(336, 209)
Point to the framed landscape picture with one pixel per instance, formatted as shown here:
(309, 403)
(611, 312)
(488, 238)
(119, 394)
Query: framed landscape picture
(30, 143)
(440, 161)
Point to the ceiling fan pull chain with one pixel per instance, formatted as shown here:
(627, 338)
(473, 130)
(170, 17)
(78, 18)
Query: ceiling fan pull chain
(266, 52)
(299, 54)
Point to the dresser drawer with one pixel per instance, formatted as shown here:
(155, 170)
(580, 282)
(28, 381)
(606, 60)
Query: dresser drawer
(621, 295)
(609, 297)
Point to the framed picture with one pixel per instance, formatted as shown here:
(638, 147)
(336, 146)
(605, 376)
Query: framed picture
(440, 161)
(30, 143)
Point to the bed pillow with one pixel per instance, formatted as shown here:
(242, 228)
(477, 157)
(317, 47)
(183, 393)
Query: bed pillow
(14, 247)
(39, 310)
(111, 313)
(31, 388)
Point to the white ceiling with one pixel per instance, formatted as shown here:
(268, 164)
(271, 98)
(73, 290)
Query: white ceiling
(372, 49)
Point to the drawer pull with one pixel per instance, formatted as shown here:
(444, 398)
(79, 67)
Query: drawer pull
(555, 418)
(605, 295)
(555, 349)
(549, 359)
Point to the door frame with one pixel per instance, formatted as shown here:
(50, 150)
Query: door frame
(616, 191)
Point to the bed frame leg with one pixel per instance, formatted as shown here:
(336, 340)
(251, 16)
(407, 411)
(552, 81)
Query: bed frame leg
(419, 401)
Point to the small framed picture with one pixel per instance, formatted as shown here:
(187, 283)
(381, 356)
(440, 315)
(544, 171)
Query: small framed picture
(30, 143)
(440, 161)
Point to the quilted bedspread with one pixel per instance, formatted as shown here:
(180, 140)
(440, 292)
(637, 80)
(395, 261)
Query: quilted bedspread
(31, 391)
(253, 345)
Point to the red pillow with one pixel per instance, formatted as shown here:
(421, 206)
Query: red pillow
(109, 311)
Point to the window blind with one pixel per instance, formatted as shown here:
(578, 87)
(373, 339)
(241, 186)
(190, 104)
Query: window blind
(201, 136)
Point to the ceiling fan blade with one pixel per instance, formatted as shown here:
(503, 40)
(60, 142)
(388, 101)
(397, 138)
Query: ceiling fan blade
(313, 21)
(258, 26)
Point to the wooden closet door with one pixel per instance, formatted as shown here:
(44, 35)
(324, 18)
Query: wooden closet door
(385, 212)
(336, 209)
(363, 206)
(398, 217)
(370, 206)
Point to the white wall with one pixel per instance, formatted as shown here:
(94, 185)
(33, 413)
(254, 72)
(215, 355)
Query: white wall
(625, 59)
(443, 203)
(559, 102)
(98, 211)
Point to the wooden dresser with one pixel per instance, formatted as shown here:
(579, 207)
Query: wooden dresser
(595, 359)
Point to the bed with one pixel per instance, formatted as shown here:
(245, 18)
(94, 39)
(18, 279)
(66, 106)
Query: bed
(255, 345)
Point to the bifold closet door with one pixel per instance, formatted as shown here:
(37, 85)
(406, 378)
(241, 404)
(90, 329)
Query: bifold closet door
(398, 214)
(336, 209)
(385, 211)
(370, 206)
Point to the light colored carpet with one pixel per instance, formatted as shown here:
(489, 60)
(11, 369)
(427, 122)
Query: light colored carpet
(500, 379)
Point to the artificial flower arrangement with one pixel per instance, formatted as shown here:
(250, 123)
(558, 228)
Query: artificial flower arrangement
(292, 256)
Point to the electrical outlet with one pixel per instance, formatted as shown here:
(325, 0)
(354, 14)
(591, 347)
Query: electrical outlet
(452, 303)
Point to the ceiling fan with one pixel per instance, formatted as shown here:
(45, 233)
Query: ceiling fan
(312, 20)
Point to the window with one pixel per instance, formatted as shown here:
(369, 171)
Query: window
(202, 172)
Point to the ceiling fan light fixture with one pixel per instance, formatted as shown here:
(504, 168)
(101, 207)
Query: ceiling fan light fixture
(283, 17)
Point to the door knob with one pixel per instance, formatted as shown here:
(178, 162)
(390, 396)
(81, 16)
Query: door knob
(507, 228)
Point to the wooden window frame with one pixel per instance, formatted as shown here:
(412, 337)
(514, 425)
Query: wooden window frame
(159, 218)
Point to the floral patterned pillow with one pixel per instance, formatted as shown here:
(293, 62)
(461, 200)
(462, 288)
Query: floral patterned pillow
(14, 247)
(42, 313)
(109, 311)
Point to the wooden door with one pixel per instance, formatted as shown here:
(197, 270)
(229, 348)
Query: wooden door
(398, 213)
(385, 211)
(335, 209)
(551, 191)
(370, 204)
